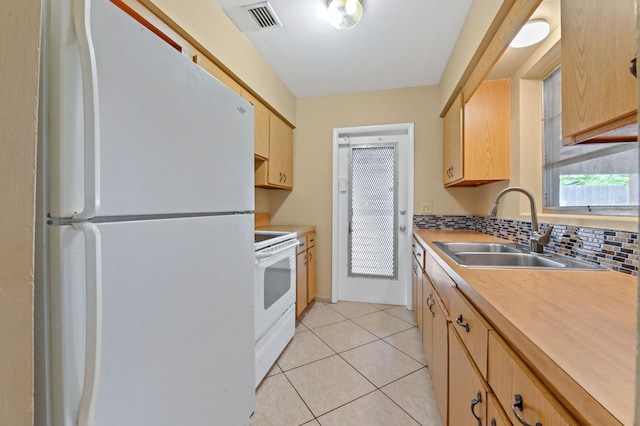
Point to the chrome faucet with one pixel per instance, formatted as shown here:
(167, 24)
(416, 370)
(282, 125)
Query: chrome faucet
(537, 240)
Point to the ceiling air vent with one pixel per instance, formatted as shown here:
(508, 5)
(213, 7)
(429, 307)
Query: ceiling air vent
(263, 15)
(250, 16)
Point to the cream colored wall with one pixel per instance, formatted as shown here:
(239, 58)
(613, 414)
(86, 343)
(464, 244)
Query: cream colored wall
(206, 22)
(20, 21)
(311, 199)
(527, 149)
(475, 26)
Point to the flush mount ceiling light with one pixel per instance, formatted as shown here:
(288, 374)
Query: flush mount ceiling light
(344, 14)
(531, 33)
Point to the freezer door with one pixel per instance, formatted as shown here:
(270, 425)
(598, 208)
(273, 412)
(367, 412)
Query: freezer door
(169, 138)
(170, 341)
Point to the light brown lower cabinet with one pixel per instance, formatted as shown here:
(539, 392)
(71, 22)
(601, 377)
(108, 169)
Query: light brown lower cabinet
(467, 389)
(305, 271)
(439, 366)
(521, 394)
(428, 315)
(301, 281)
(311, 274)
(477, 377)
(495, 414)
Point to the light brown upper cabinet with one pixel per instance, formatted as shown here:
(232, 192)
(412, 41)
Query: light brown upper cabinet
(476, 137)
(598, 91)
(277, 171)
(260, 125)
(218, 73)
(452, 148)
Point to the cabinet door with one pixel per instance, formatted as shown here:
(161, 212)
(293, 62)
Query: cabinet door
(495, 414)
(467, 394)
(419, 295)
(280, 153)
(439, 366)
(512, 381)
(260, 126)
(598, 41)
(301, 282)
(427, 318)
(415, 272)
(487, 132)
(311, 273)
(452, 143)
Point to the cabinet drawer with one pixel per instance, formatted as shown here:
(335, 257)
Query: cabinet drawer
(510, 379)
(472, 328)
(302, 247)
(418, 252)
(443, 284)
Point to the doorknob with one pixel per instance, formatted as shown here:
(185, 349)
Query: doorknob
(403, 228)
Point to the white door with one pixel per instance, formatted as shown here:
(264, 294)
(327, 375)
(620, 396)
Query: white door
(372, 220)
(164, 333)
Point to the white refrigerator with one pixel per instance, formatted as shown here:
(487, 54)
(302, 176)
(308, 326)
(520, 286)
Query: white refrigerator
(145, 263)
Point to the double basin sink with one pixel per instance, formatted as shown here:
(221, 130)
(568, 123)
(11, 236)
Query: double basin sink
(507, 255)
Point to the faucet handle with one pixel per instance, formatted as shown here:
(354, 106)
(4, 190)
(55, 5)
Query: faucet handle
(545, 238)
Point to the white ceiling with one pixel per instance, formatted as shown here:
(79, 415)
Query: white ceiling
(398, 43)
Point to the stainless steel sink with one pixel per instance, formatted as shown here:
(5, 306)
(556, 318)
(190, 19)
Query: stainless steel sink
(479, 247)
(506, 255)
(507, 260)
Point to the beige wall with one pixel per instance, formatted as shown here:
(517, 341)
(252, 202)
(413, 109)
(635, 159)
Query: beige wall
(205, 21)
(479, 18)
(310, 202)
(20, 21)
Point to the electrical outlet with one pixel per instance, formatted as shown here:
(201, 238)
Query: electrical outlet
(426, 208)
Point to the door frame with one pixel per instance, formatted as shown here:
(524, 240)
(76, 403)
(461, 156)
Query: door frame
(375, 130)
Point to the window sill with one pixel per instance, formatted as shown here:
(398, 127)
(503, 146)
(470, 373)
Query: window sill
(622, 223)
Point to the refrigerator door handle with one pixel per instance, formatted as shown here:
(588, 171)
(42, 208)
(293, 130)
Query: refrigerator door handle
(81, 21)
(93, 256)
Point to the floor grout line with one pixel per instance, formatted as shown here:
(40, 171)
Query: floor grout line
(340, 355)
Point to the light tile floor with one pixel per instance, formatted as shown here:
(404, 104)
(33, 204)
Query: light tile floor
(350, 364)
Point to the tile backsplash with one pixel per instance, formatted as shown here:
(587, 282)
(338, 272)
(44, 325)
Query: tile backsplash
(616, 250)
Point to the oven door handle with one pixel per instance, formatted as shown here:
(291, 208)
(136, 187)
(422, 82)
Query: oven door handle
(263, 255)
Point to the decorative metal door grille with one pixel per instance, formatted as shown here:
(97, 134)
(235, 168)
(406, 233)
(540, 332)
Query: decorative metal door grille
(372, 241)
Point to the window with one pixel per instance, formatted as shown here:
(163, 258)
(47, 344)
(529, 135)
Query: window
(598, 178)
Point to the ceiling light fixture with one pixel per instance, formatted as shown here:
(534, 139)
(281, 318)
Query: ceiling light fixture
(344, 14)
(531, 33)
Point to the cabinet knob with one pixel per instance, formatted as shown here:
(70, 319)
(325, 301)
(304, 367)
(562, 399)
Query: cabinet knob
(430, 305)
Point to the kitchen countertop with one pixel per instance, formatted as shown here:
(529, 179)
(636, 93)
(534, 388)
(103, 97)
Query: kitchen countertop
(298, 229)
(575, 329)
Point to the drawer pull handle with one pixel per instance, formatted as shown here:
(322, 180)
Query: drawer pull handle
(517, 408)
(430, 305)
(493, 422)
(477, 400)
(464, 325)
